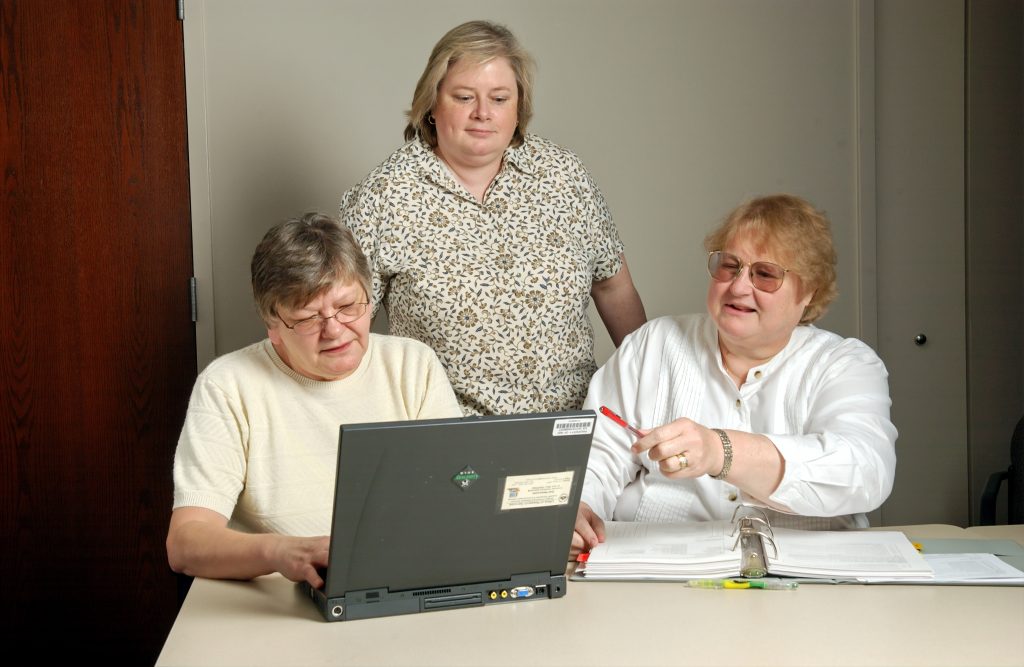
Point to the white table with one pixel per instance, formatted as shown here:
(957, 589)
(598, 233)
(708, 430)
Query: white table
(269, 622)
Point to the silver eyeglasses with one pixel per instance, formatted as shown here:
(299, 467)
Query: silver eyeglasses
(316, 324)
(765, 276)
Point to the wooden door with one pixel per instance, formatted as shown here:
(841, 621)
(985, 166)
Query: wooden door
(97, 350)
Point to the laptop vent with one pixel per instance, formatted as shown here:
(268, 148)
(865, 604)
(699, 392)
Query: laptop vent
(435, 591)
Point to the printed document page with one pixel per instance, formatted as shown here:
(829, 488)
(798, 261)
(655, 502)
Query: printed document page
(847, 555)
(664, 550)
(978, 569)
(671, 551)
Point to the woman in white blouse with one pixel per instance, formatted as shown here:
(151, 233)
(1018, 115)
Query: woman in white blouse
(749, 403)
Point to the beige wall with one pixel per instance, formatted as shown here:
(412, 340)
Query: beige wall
(679, 109)
(995, 235)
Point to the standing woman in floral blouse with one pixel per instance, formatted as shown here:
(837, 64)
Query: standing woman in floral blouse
(486, 242)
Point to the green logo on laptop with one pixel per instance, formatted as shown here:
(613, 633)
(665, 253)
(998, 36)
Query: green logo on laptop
(465, 477)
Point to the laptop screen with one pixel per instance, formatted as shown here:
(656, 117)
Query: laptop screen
(422, 504)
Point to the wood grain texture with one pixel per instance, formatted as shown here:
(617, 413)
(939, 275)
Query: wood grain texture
(97, 355)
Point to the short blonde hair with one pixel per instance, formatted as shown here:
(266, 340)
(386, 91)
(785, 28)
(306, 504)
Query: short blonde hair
(300, 259)
(478, 42)
(795, 232)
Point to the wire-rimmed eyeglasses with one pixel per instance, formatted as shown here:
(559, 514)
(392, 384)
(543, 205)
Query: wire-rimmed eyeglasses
(726, 267)
(316, 324)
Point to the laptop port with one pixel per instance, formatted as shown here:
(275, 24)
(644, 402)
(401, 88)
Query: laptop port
(453, 601)
(522, 591)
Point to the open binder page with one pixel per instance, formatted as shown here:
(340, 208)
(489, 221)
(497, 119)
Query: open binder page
(673, 551)
(853, 554)
(634, 550)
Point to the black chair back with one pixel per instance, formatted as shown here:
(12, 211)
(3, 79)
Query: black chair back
(1014, 476)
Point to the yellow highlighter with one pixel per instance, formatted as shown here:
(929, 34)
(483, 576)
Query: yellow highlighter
(742, 584)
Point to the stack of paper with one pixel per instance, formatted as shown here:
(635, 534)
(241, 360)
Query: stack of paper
(975, 562)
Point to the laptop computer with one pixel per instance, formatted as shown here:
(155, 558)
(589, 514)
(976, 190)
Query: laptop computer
(449, 513)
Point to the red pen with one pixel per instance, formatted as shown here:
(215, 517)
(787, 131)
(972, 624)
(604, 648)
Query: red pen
(620, 421)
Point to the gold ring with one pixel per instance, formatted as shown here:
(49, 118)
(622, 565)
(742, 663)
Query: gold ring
(682, 461)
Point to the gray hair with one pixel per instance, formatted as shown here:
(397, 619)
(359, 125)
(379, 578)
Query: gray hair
(302, 258)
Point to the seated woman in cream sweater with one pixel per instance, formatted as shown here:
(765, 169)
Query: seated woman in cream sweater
(254, 470)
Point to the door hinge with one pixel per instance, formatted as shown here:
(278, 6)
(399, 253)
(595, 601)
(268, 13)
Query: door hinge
(193, 298)
(181, 10)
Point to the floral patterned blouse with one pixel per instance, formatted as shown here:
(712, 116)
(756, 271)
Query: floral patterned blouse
(500, 289)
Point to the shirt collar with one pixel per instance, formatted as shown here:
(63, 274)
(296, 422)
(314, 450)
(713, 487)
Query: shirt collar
(433, 168)
(795, 342)
(519, 157)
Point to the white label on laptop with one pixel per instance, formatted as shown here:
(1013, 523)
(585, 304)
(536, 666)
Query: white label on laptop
(583, 426)
(547, 490)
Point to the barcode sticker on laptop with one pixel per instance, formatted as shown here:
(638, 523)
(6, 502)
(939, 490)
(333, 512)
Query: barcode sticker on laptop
(573, 426)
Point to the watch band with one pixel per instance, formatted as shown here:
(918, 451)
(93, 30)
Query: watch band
(727, 449)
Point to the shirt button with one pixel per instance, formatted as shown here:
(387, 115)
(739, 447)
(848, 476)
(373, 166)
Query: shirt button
(737, 402)
(732, 497)
(758, 374)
